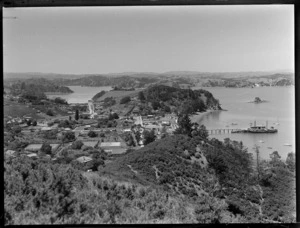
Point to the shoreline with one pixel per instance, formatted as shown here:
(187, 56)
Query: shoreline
(200, 115)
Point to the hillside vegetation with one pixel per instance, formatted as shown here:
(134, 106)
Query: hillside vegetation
(38, 86)
(159, 98)
(178, 179)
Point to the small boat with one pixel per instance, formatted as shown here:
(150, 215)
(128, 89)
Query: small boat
(261, 141)
(287, 144)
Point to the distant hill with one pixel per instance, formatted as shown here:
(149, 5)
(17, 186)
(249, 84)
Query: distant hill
(37, 85)
(178, 78)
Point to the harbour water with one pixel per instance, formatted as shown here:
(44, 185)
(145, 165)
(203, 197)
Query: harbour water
(279, 111)
(81, 93)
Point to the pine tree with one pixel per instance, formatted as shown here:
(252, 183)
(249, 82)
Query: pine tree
(185, 125)
(77, 115)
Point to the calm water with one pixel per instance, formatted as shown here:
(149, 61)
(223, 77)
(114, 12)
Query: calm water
(81, 93)
(280, 108)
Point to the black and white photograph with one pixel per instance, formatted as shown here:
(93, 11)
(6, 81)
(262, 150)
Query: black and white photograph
(172, 114)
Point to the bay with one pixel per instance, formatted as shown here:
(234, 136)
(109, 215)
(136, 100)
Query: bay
(279, 111)
(81, 93)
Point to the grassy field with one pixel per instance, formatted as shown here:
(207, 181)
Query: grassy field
(19, 110)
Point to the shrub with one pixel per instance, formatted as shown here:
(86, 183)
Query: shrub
(46, 148)
(50, 112)
(69, 137)
(92, 134)
(125, 100)
(77, 145)
(50, 124)
(59, 100)
(16, 129)
(28, 122)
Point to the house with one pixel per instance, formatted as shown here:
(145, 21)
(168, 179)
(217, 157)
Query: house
(54, 147)
(110, 144)
(84, 159)
(112, 147)
(33, 147)
(46, 128)
(32, 155)
(90, 143)
(167, 123)
(37, 147)
(136, 110)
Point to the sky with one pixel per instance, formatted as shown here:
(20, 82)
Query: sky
(88, 40)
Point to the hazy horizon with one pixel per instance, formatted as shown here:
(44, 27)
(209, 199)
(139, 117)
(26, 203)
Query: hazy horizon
(156, 39)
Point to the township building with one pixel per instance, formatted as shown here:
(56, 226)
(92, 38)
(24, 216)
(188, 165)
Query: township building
(93, 144)
(36, 147)
(113, 147)
(84, 159)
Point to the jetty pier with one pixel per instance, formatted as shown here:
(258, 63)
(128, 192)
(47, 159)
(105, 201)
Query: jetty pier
(223, 131)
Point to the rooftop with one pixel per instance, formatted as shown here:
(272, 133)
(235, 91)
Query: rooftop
(84, 159)
(90, 143)
(110, 144)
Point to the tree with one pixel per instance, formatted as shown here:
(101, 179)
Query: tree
(138, 136)
(184, 125)
(290, 161)
(125, 100)
(16, 129)
(199, 131)
(155, 105)
(115, 115)
(275, 156)
(70, 118)
(76, 114)
(34, 123)
(68, 137)
(92, 134)
(49, 112)
(167, 108)
(28, 122)
(46, 148)
(60, 100)
(77, 145)
(110, 116)
(141, 96)
(149, 136)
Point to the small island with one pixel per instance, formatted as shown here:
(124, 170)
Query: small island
(257, 100)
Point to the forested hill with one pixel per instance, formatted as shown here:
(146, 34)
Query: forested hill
(183, 100)
(38, 85)
(99, 80)
(216, 178)
(180, 79)
(159, 98)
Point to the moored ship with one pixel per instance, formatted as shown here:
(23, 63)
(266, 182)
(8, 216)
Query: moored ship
(261, 129)
(256, 129)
